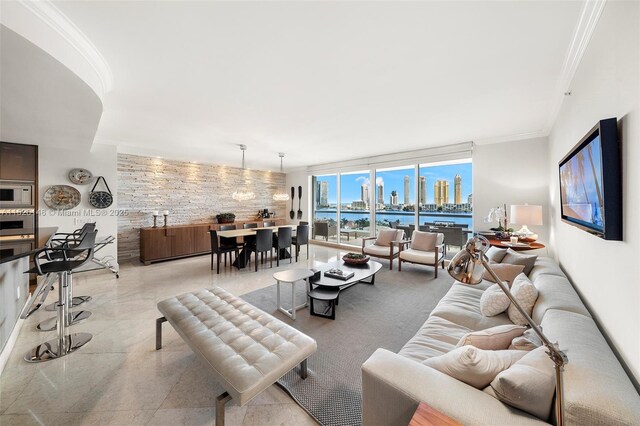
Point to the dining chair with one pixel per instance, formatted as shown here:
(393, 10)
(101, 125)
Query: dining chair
(217, 250)
(229, 242)
(301, 237)
(250, 239)
(263, 244)
(282, 242)
(270, 223)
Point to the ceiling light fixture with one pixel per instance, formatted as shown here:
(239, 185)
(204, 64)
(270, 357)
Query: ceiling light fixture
(243, 195)
(281, 196)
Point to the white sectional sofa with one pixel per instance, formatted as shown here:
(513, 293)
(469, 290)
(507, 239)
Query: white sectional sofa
(597, 389)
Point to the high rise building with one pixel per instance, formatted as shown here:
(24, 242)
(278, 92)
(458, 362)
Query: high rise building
(423, 190)
(393, 198)
(441, 192)
(407, 198)
(381, 193)
(364, 193)
(317, 193)
(324, 194)
(457, 189)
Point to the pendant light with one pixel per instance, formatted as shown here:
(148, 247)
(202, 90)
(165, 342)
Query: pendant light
(243, 195)
(281, 196)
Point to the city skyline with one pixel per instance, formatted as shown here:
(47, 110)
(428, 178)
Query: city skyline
(355, 185)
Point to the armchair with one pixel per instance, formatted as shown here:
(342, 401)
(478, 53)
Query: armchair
(424, 248)
(385, 245)
(324, 229)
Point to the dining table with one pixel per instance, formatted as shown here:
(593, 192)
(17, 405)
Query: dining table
(243, 257)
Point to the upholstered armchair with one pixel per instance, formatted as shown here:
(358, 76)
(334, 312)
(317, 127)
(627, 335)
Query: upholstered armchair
(424, 248)
(385, 244)
(324, 229)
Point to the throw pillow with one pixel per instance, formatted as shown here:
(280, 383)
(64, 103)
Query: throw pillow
(386, 237)
(495, 254)
(494, 338)
(527, 342)
(526, 294)
(515, 258)
(474, 366)
(493, 301)
(529, 384)
(425, 241)
(504, 271)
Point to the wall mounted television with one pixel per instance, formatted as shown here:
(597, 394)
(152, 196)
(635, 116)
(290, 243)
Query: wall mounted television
(591, 183)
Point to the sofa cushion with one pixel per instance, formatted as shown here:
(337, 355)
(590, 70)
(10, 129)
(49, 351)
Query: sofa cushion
(545, 266)
(556, 292)
(424, 241)
(527, 342)
(494, 301)
(473, 366)
(386, 237)
(529, 384)
(494, 338)
(437, 336)
(596, 388)
(515, 258)
(461, 305)
(495, 254)
(505, 271)
(376, 250)
(526, 294)
(419, 256)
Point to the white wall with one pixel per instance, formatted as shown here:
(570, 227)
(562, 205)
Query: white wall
(54, 166)
(510, 173)
(606, 85)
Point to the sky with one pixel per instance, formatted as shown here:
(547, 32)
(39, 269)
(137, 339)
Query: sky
(394, 180)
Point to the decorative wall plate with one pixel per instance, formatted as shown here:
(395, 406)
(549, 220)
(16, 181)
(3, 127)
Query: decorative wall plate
(61, 197)
(80, 176)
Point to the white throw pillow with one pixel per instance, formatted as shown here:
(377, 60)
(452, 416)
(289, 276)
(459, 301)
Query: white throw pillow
(526, 294)
(495, 254)
(527, 342)
(474, 366)
(424, 241)
(493, 301)
(494, 338)
(386, 237)
(515, 258)
(529, 384)
(505, 271)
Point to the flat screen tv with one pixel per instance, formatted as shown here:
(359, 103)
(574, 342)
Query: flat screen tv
(591, 183)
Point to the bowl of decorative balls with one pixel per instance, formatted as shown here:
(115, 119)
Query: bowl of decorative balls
(355, 258)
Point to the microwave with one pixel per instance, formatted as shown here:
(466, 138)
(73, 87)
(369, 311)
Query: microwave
(17, 222)
(16, 194)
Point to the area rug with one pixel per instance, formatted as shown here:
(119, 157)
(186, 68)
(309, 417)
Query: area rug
(384, 315)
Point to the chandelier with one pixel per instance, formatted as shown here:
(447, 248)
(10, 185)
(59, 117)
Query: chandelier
(281, 196)
(243, 195)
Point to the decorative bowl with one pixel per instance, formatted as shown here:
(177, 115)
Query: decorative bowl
(355, 258)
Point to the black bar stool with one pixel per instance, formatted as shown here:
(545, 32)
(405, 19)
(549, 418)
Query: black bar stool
(72, 259)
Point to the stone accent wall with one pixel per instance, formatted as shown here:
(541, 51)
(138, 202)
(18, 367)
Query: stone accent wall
(193, 193)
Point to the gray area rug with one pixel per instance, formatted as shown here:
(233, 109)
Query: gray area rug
(384, 315)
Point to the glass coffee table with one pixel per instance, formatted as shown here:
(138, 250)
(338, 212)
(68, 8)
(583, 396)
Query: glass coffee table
(328, 289)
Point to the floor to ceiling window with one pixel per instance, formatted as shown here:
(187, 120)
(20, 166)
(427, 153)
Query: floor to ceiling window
(355, 202)
(325, 203)
(395, 197)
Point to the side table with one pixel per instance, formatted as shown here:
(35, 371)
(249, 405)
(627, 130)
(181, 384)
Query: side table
(429, 416)
(292, 276)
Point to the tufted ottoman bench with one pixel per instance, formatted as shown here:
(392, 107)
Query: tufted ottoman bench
(246, 349)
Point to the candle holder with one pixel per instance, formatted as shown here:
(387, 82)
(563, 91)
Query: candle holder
(165, 219)
(155, 220)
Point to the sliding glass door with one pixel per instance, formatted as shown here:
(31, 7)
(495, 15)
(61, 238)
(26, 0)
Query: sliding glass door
(355, 202)
(325, 212)
(395, 198)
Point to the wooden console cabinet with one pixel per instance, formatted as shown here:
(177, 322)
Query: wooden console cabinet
(174, 242)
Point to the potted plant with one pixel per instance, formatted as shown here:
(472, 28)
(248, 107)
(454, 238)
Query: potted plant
(226, 217)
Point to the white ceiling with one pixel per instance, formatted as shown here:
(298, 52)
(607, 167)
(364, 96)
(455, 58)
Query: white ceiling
(323, 81)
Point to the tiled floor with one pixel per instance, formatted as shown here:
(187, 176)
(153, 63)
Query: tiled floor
(118, 378)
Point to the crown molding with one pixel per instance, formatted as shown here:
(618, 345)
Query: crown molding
(511, 138)
(589, 17)
(48, 13)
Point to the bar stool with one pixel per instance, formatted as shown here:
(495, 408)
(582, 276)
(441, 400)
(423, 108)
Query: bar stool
(69, 240)
(72, 259)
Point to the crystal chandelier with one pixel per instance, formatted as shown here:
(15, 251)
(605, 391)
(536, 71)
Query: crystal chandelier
(281, 196)
(243, 195)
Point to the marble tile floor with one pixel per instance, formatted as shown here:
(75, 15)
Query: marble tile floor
(119, 378)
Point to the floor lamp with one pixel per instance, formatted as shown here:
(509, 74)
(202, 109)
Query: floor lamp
(467, 267)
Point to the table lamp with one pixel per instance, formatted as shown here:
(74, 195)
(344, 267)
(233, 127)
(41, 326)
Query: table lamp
(526, 215)
(467, 267)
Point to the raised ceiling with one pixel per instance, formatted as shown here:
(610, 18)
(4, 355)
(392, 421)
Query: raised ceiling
(324, 81)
